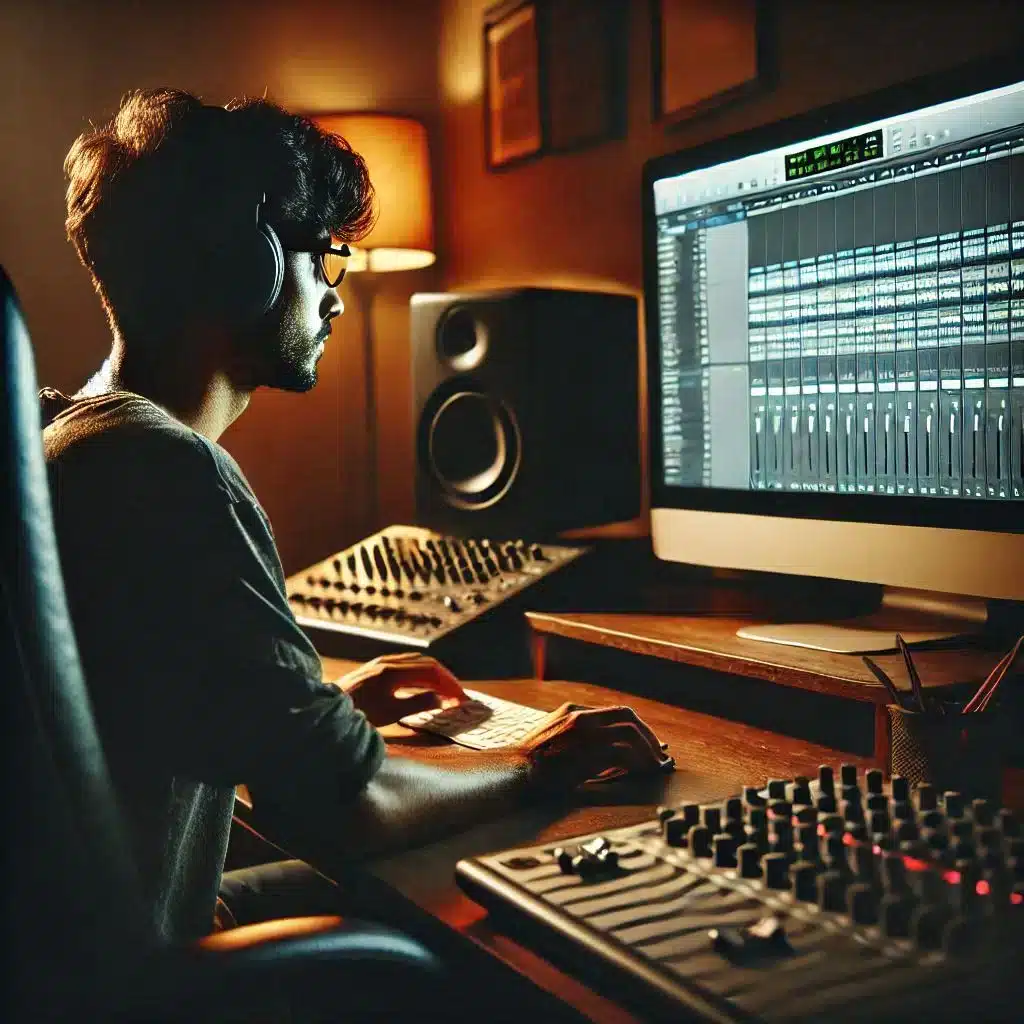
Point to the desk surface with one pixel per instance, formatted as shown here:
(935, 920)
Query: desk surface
(716, 758)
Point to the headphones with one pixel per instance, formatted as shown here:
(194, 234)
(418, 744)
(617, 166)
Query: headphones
(247, 272)
(256, 268)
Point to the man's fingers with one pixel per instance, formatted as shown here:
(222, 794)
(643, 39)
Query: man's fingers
(428, 676)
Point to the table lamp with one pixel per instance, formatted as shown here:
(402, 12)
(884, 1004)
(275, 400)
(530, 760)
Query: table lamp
(398, 158)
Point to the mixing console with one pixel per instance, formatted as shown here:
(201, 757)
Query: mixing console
(837, 898)
(411, 587)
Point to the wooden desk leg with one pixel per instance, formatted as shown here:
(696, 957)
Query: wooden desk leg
(882, 740)
(538, 648)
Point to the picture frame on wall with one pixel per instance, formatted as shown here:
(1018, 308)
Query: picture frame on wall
(512, 87)
(708, 53)
(555, 77)
(583, 59)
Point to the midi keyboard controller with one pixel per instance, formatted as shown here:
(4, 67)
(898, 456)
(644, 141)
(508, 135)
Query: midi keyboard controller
(834, 899)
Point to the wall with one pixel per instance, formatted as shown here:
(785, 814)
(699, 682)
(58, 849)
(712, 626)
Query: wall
(63, 64)
(573, 220)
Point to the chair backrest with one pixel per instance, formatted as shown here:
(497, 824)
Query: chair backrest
(73, 908)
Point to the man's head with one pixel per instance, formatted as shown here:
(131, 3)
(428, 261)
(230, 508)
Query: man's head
(161, 205)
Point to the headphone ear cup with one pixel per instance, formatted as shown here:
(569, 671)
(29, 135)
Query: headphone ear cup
(268, 270)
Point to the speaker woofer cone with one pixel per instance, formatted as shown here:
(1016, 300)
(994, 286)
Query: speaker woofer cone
(474, 449)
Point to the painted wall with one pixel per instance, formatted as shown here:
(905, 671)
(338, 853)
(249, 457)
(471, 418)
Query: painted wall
(573, 220)
(64, 63)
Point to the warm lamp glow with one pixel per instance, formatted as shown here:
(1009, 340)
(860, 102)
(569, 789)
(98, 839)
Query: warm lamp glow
(396, 152)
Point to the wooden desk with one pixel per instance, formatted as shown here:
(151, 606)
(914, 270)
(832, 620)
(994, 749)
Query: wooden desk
(715, 759)
(711, 643)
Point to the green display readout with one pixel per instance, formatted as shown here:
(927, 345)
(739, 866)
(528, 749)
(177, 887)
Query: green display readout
(832, 155)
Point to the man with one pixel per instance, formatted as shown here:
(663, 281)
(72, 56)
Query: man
(200, 677)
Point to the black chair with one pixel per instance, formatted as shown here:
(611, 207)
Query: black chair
(77, 942)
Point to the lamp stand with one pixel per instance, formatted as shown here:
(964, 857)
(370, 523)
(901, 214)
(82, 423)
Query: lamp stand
(364, 288)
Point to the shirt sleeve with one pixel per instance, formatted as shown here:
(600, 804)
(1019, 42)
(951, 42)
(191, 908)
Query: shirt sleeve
(229, 689)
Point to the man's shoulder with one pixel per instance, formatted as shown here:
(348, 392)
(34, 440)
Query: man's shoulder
(127, 437)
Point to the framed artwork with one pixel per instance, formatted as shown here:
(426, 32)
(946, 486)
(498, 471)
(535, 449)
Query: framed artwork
(583, 57)
(512, 103)
(555, 77)
(706, 53)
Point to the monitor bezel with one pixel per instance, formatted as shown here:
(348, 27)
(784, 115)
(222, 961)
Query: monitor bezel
(986, 514)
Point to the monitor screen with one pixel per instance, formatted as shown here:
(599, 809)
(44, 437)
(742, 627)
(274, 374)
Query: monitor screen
(835, 315)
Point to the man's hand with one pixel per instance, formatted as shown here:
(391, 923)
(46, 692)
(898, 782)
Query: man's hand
(574, 745)
(373, 687)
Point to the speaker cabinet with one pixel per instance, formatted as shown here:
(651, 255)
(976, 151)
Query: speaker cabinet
(525, 405)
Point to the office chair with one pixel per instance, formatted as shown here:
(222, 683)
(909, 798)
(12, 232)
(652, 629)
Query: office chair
(78, 942)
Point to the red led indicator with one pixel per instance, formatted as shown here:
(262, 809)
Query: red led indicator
(983, 888)
(1017, 898)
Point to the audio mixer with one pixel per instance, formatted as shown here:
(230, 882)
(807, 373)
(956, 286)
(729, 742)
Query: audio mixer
(410, 587)
(840, 898)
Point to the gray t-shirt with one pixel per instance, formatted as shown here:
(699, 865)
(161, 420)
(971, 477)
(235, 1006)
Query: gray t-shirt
(199, 675)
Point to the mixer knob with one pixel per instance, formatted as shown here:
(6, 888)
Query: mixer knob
(415, 595)
(451, 604)
(381, 564)
(723, 850)
(805, 815)
(297, 598)
(777, 789)
(435, 621)
(849, 795)
(749, 858)
(324, 582)
(981, 810)
(779, 809)
(479, 597)
(364, 556)
(537, 553)
(371, 610)
(664, 813)
(833, 823)
(807, 840)
(873, 779)
(734, 809)
(953, 802)
(780, 838)
(826, 803)
(804, 875)
(337, 564)
(848, 774)
(675, 831)
(877, 802)
(699, 840)
(343, 605)
(370, 590)
(878, 823)
(832, 891)
(356, 607)
(936, 840)
(350, 561)
(864, 862)
(776, 870)
(852, 811)
(858, 832)
(752, 796)
(927, 798)
(713, 819)
(835, 852)
(860, 903)
(313, 602)
(329, 604)
(799, 792)
(902, 811)
(691, 814)
(900, 789)
(826, 779)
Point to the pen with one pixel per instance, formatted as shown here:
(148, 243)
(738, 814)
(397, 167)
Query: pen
(915, 679)
(884, 680)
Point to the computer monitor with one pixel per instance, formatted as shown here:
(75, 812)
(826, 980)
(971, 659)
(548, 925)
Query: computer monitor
(835, 338)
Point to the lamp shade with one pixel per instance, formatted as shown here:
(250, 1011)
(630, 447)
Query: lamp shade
(396, 152)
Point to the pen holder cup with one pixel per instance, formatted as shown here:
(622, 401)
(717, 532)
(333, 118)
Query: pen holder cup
(966, 753)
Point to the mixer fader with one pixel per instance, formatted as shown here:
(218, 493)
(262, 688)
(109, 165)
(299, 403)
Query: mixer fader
(411, 587)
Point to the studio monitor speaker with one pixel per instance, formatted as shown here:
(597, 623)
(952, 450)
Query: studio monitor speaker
(525, 407)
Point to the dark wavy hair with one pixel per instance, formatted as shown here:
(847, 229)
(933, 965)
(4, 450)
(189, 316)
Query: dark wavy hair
(147, 193)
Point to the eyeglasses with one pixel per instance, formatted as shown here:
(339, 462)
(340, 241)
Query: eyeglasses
(333, 264)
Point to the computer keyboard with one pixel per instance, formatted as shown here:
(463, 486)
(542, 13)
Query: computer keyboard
(481, 723)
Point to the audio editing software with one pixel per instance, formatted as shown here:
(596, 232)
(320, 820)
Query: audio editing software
(848, 316)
